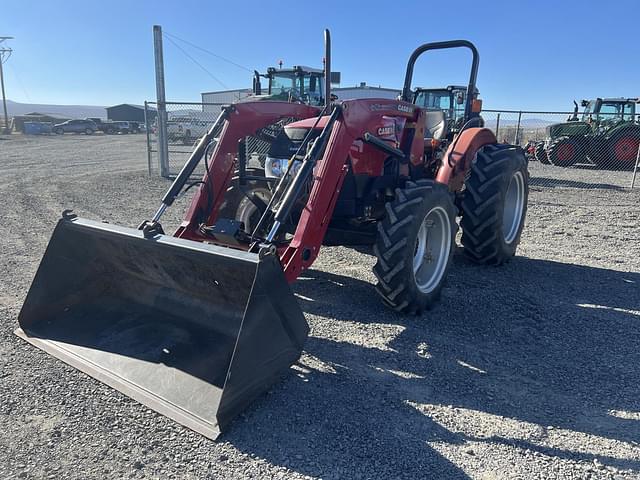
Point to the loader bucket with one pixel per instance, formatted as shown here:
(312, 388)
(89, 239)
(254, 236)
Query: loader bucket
(191, 330)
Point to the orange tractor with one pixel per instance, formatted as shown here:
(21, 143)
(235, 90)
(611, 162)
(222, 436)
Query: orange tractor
(199, 323)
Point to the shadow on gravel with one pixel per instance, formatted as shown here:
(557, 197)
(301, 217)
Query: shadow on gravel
(531, 355)
(564, 183)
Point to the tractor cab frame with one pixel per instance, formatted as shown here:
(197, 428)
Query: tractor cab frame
(300, 83)
(609, 110)
(450, 99)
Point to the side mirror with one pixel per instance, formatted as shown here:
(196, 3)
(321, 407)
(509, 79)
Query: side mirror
(335, 77)
(460, 98)
(312, 84)
(584, 103)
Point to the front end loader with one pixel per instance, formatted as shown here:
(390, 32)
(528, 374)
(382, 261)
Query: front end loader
(197, 324)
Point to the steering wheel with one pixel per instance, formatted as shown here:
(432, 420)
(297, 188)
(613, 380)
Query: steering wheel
(294, 96)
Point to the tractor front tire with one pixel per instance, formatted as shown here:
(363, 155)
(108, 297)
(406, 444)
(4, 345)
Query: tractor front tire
(414, 246)
(237, 206)
(494, 205)
(566, 151)
(541, 153)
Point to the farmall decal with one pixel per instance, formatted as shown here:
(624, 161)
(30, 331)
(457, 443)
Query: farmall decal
(376, 107)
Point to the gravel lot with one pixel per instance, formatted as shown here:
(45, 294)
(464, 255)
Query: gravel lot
(531, 370)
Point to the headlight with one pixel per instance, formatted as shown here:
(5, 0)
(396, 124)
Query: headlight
(276, 167)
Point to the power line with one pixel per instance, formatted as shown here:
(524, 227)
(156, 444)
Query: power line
(19, 79)
(196, 62)
(209, 52)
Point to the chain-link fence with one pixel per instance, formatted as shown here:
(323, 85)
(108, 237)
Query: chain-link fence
(588, 150)
(565, 149)
(185, 123)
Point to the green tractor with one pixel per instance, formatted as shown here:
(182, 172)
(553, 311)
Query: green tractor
(607, 135)
(297, 84)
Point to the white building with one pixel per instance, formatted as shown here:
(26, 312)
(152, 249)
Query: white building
(365, 91)
(223, 97)
(212, 101)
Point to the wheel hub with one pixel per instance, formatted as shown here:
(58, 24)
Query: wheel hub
(513, 207)
(433, 245)
(626, 149)
(565, 152)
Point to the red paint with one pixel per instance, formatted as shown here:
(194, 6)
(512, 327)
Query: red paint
(626, 149)
(458, 157)
(565, 152)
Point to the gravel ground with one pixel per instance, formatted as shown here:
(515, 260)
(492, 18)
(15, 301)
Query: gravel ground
(531, 370)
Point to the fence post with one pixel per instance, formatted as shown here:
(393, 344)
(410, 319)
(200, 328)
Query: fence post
(163, 147)
(517, 139)
(146, 130)
(498, 127)
(635, 168)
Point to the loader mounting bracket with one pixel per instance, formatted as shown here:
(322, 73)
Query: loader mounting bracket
(228, 232)
(151, 229)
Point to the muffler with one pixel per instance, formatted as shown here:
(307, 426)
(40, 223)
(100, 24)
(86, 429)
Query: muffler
(191, 330)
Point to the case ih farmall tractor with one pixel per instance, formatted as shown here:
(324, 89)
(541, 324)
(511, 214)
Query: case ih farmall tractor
(197, 324)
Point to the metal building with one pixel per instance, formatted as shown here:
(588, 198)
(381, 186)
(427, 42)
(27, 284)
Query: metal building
(225, 97)
(130, 112)
(365, 91)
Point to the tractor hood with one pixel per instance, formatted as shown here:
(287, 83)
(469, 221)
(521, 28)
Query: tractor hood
(265, 98)
(308, 123)
(567, 129)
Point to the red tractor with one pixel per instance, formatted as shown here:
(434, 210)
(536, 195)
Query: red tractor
(196, 325)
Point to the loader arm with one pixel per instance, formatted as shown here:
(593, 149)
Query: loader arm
(244, 119)
(355, 119)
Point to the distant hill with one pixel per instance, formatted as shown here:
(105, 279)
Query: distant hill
(67, 111)
(524, 123)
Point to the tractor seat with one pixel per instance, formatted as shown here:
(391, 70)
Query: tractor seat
(435, 125)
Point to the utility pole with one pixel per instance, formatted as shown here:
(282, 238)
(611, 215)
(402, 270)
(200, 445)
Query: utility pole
(5, 53)
(163, 147)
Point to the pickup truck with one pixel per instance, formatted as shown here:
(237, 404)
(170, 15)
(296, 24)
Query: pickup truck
(186, 129)
(106, 127)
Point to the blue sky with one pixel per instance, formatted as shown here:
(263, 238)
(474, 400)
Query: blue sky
(533, 54)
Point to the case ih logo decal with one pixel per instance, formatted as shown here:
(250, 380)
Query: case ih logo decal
(388, 130)
(405, 108)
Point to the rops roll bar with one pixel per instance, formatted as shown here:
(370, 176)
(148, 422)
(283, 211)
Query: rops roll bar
(471, 88)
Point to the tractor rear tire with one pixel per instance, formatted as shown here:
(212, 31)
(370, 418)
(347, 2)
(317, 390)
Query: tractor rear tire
(494, 205)
(541, 154)
(414, 246)
(566, 151)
